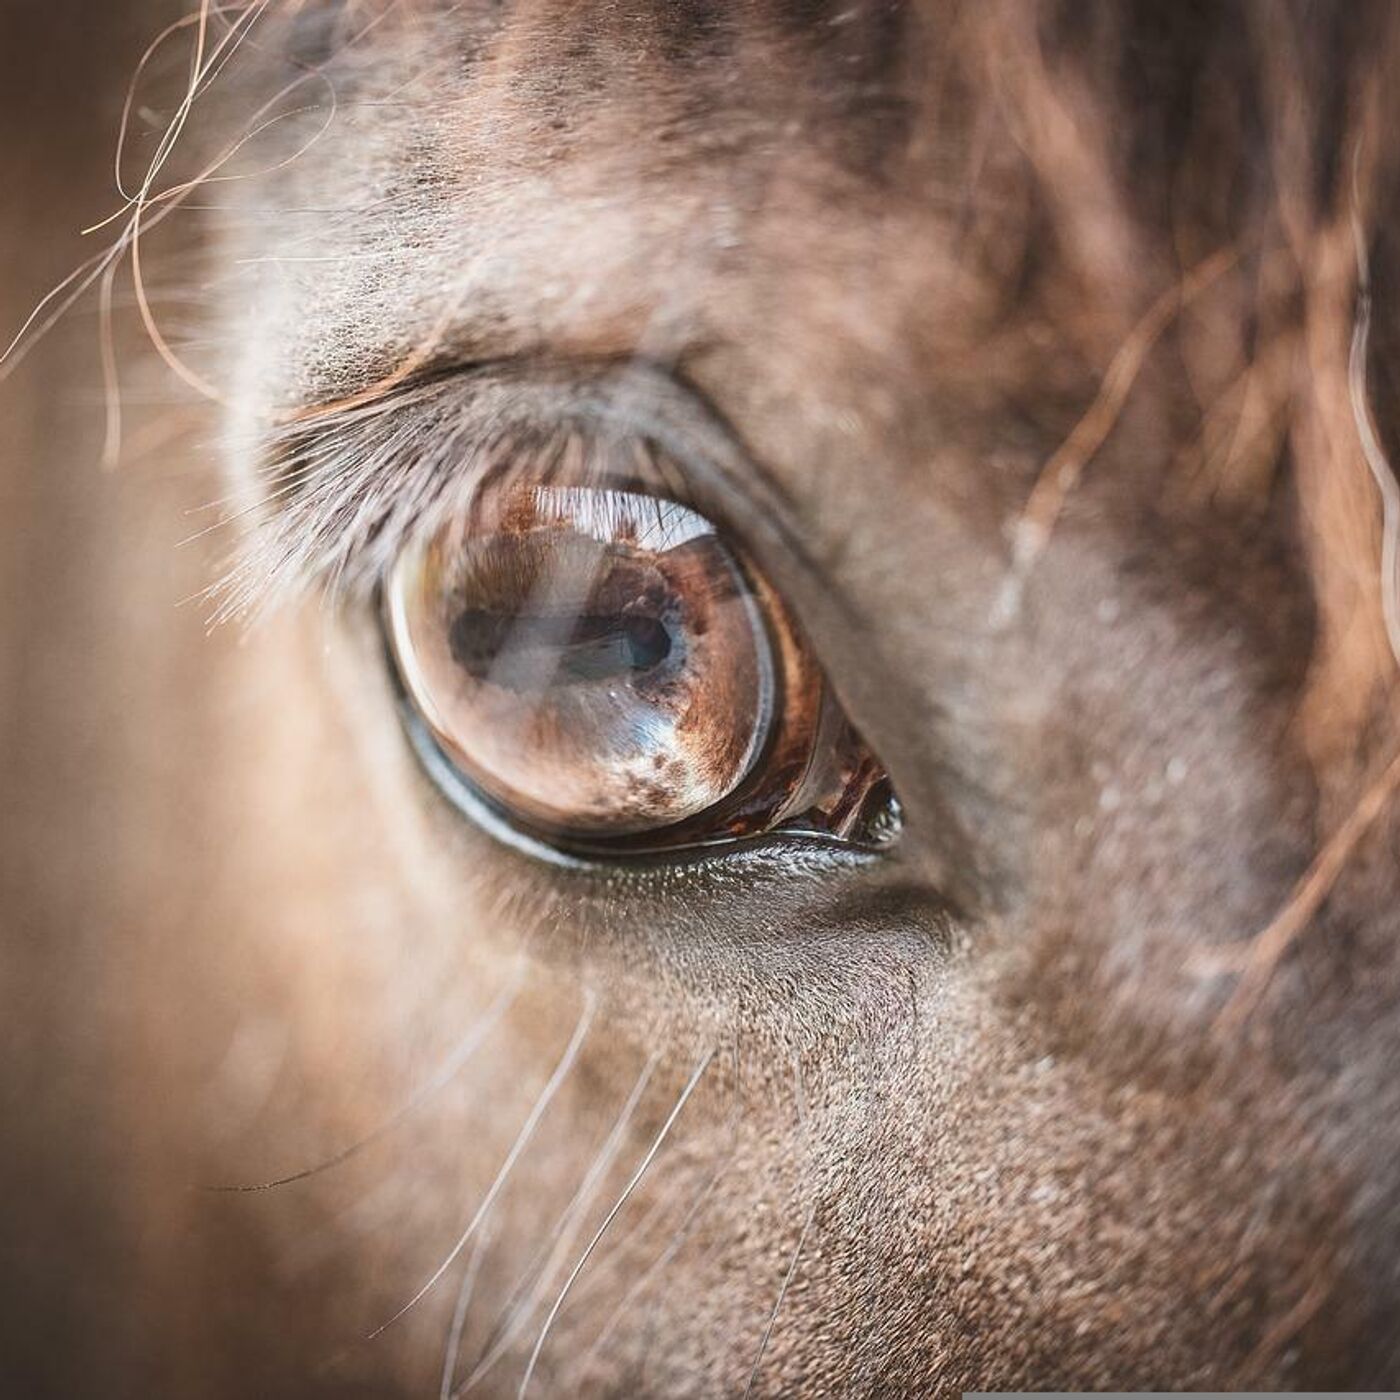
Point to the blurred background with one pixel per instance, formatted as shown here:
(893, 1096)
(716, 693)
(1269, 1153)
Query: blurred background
(90, 582)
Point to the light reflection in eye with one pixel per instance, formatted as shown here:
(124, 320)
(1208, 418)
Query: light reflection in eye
(590, 660)
(606, 671)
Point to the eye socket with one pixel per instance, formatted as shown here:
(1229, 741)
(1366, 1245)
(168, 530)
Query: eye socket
(610, 675)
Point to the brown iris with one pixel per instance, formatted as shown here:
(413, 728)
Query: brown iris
(603, 668)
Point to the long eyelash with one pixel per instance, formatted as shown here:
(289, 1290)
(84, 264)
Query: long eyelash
(345, 492)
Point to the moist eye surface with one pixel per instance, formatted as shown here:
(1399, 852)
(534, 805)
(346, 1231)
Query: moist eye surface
(607, 671)
(590, 662)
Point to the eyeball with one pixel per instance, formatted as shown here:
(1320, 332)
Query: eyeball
(608, 673)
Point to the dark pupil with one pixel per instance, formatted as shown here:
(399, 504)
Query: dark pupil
(526, 651)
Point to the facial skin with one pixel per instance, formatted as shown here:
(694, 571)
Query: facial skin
(993, 1109)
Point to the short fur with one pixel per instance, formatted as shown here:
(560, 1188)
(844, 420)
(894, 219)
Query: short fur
(1026, 346)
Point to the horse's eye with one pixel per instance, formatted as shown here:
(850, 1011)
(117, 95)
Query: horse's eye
(607, 673)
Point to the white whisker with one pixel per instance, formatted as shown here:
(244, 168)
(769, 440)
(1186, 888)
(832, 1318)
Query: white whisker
(778, 1302)
(519, 1309)
(445, 1073)
(673, 1248)
(561, 1072)
(612, 1215)
(459, 1312)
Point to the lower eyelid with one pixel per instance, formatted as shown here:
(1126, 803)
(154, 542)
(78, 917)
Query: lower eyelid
(778, 850)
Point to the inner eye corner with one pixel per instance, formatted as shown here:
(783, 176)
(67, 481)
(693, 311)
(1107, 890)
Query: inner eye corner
(611, 678)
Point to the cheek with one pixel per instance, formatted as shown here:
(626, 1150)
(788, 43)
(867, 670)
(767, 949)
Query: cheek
(942, 1201)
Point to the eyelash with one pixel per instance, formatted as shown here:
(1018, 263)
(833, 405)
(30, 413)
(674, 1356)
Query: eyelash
(351, 493)
(346, 492)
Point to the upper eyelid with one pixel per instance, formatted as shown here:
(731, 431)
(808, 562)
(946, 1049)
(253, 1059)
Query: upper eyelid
(345, 489)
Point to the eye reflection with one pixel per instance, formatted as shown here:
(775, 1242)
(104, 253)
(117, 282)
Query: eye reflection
(592, 659)
(604, 669)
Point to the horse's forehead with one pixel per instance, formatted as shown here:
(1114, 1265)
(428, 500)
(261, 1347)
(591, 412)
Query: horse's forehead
(638, 180)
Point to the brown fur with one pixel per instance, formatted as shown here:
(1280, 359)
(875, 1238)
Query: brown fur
(1013, 340)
